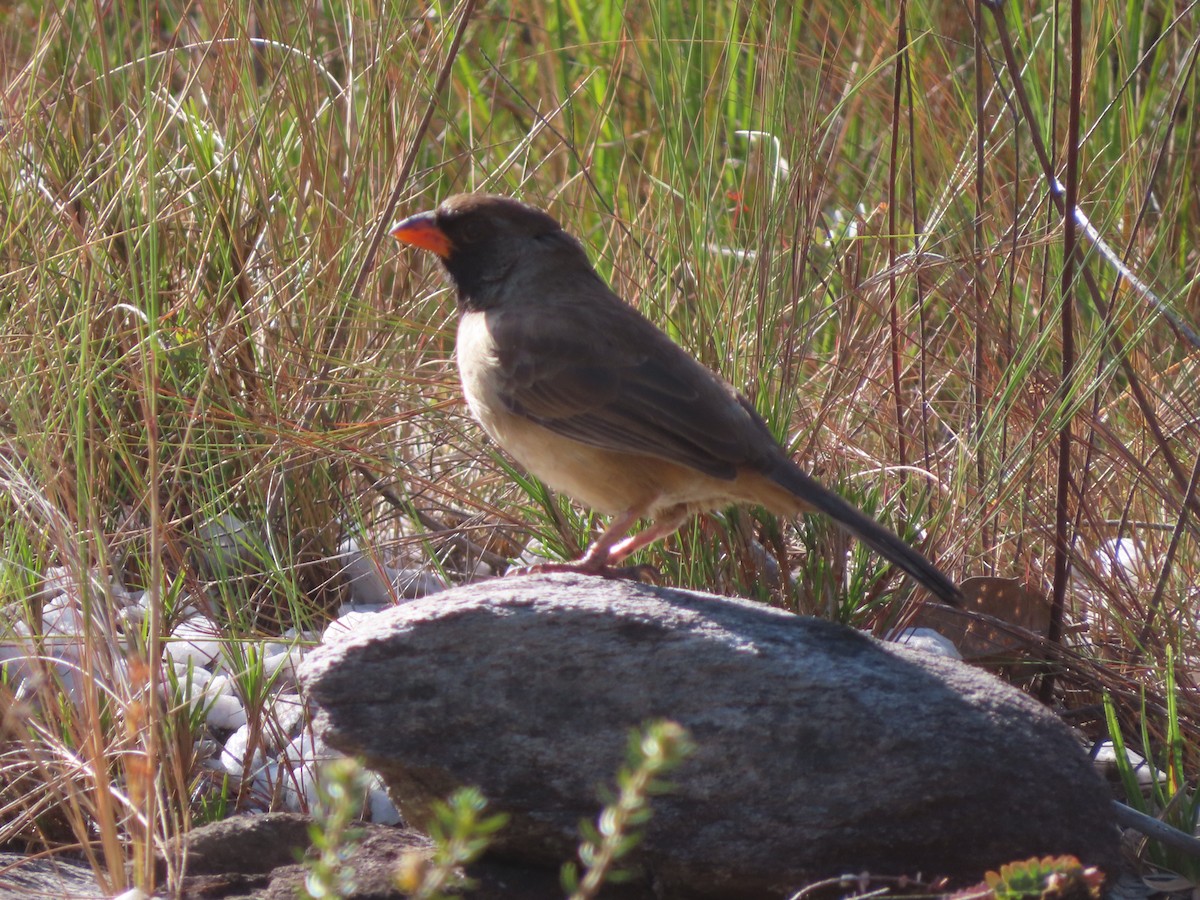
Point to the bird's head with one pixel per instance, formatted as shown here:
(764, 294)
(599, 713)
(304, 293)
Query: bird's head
(481, 239)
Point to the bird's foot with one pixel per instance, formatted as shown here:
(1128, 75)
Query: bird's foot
(644, 572)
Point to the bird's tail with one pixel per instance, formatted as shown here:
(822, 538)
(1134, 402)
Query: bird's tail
(876, 536)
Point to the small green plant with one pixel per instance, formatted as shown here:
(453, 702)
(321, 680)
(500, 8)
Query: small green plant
(1050, 876)
(1172, 795)
(654, 750)
(340, 792)
(460, 834)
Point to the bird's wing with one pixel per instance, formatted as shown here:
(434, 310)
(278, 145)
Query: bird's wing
(603, 375)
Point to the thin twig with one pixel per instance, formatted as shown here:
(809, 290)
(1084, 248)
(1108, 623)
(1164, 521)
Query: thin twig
(1071, 261)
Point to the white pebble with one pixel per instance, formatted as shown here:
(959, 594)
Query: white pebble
(365, 609)
(280, 669)
(345, 624)
(298, 786)
(374, 584)
(929, 641)
(287, 713)
(299, 762)
(1105, 760)
(61, 617)
(57, 580)
(196, 640)
(295, 635)
(1124, 554)
(191, 685)
(382, 810)
(368, 581)
(233, 755)
(225, 713)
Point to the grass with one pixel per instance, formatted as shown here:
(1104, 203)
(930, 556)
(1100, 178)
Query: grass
(200, 320)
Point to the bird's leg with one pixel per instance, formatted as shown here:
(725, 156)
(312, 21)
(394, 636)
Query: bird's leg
(667, 523)
(597, 557)
(612, 546)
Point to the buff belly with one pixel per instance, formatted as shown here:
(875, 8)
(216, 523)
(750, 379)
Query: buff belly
(608, 481)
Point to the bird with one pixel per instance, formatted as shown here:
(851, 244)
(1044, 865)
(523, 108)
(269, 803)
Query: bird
(590, 396)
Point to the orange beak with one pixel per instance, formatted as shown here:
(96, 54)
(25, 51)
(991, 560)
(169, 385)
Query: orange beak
(422, 231)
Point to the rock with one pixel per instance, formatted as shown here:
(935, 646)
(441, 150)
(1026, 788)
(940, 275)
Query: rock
(819, 750)
(255, 858)
(247, 845)
(27, 876)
